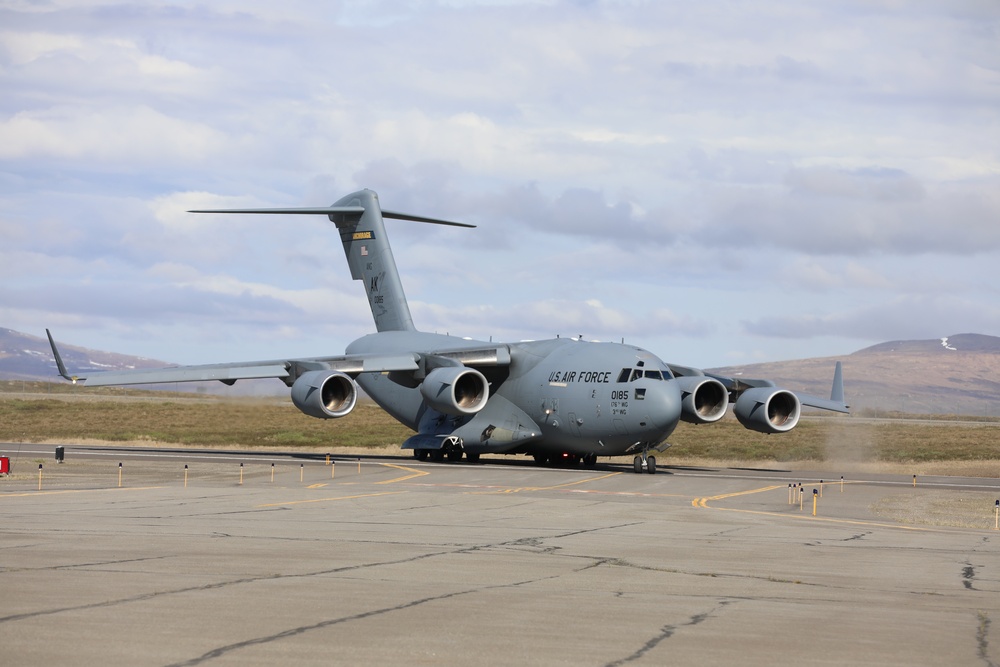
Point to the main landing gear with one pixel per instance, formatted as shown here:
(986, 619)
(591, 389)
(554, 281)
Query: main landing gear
(566, 459)
(451, 449)
(644, 463)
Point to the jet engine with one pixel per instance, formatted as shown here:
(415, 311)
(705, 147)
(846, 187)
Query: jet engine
(455, 390)
(703, 399)
(768, 409)
(325, 394)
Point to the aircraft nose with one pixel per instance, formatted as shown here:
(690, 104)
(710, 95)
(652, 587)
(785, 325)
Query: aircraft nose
(663, 405)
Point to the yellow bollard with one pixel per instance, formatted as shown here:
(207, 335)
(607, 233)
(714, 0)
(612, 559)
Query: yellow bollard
(185, 476)
(333, 470)
(302, 469)
(328, 458)
(39, 476)
(820, 488)
(119, 475)
(815, 494)
(800, 497)
(789, 494)
(272, 473)
(241, 473)
(996, 514)
(914, 480)
(359, 466)
(841, 483)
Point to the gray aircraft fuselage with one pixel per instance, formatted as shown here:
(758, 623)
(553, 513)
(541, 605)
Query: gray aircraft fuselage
(582, 397)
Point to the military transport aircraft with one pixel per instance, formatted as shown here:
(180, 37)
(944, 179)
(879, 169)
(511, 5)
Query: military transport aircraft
(559, 399)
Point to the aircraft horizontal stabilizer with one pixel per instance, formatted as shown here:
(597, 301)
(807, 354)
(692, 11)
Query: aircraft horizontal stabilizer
(314, 210)
(334, 210)
(419, 218)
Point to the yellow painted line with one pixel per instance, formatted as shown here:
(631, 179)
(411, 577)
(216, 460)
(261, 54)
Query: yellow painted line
(316, 486)
(519, 489)
(323, 500)
(853, 522)
(64, 491)
(633, 494)
(703, 502)
(416, 473)
(580, 481)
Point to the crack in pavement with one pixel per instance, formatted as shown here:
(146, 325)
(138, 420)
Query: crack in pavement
(968, 576)
(667, 631)
(859, 536)
(217, 585)
(73, 566)
(272, 577)
(292, 632)
(982, 634)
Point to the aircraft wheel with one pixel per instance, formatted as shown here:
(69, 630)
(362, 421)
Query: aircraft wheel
(473, 458)
(651, 465)
(420, 454)
(437, 455)
(637, 464)
(540, 459)
(590, 460)
(455, 455)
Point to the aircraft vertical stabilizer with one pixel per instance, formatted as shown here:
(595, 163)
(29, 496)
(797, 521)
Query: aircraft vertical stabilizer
(370, 258)
(358, 217)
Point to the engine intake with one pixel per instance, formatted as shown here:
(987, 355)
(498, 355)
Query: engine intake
(325, 394)
(455, 390)
(703, 399)
(768, 410)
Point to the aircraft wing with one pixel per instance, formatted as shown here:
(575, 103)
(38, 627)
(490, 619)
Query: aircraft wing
(737, 386)
(290, 369)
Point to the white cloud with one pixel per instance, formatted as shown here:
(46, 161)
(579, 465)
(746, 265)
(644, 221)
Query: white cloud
(662, 171)
(108, 135)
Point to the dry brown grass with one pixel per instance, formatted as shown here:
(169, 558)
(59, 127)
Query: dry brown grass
(837, 443)
(213, 423)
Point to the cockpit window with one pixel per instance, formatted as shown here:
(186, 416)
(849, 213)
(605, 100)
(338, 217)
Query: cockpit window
(633, 374)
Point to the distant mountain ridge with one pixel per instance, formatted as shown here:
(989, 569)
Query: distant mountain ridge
(959, 343)
(27, 357)
(957, 374)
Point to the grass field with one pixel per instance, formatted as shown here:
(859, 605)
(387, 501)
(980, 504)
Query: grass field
(61, 413)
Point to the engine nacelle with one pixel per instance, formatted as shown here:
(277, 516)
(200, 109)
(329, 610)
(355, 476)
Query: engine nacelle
(703, 399)
(768, 409)
(455, 390)
(325, 394)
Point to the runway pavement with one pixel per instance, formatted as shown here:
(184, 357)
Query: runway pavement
(385, 560)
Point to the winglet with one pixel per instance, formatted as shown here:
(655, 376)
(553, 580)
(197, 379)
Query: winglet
(59, 362)
(836, 402)
(837, 393)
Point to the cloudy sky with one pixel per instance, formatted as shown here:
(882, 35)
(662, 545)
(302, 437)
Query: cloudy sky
(718, 182)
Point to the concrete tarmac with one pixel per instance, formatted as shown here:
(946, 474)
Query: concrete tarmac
(388, 561)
